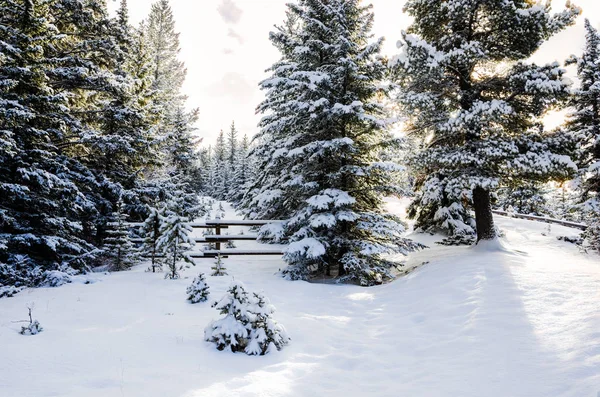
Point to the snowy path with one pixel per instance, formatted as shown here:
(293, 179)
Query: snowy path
(469, 323)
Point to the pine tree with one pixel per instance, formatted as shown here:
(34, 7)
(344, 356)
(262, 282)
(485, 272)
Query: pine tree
(319, 143)
(175, 232)
(584, 126)
(243, 173)
(118, 248)
(198, 291)
(41, 199)
(232, 157)
(181, 147)
(524, 198)
(163, 43)
(248, 324)
(220, 170)
(266, 335)
(151, 234)
(218, 269)
(231, 331)
(476, 104)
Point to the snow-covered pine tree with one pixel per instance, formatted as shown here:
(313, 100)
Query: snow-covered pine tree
(265, 334)
(218, 268)
(220, 169)
(524, 198)
(126, 146)
(181, 148)
(163, 42)
(198, 291)
(321, 136)
(584, 126)
(175, 239)
(243, 174)
(230, 332)
(151, 233)
(468, 93)
(41, 202)
(117, 247)
(232, 146)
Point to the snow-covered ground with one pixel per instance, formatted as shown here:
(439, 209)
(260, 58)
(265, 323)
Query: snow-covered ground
(524, 321)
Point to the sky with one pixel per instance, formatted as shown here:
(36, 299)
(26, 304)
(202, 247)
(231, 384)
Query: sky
(226, 49)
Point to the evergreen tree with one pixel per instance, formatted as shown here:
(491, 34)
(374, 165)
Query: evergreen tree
(528, 198)
(181, 145)
(221, 177)
(584, 125)
(243, 173)
(218, 269)
(266, 335)
(41, 201)
(151, 233)
(477, 105)
(248, 324)
(198, 290)
(175, 232)
(319, 143)
(231, 331)
(118, 248)
(163, 43)
(80, 125)
(232, 146)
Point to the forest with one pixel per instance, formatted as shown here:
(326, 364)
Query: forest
(367, 170)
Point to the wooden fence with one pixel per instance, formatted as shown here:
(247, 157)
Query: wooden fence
(544, 219)
(218, 225)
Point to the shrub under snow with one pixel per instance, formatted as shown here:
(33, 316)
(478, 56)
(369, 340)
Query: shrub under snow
(247, 325)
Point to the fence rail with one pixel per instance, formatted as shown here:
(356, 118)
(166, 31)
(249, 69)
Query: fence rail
(544, 219)
(218, 238)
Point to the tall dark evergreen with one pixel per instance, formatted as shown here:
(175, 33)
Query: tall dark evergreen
(321, 134)
(476, 105)
(41, 202)
(584, 127)
(79, 131)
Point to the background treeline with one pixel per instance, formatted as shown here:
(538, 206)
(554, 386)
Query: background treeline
(226, 169)
(93, 130)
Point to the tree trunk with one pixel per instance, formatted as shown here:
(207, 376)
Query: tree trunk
(483, 214)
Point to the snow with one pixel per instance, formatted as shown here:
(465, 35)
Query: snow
(522, 321)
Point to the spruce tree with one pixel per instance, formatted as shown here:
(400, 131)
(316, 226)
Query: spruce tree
(248, 325)
(243, 172)
(221, 176)
(175, 239)
(218, 268)
(230, 332)
(321, 133)
(476, 104)
(41, 200)
(265, 334)
(151, 234)
(163, 43)
(117, 247)
(584, 126)
(198, 291)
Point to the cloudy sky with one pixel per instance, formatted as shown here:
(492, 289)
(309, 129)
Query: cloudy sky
(226, 49)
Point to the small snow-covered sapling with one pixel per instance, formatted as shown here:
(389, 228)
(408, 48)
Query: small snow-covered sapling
(265, 334)
(34, 326)
(248, 325)
(218, 268)
(198, 290)
(230, 332)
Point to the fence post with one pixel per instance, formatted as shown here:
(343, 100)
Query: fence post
(218, 233)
